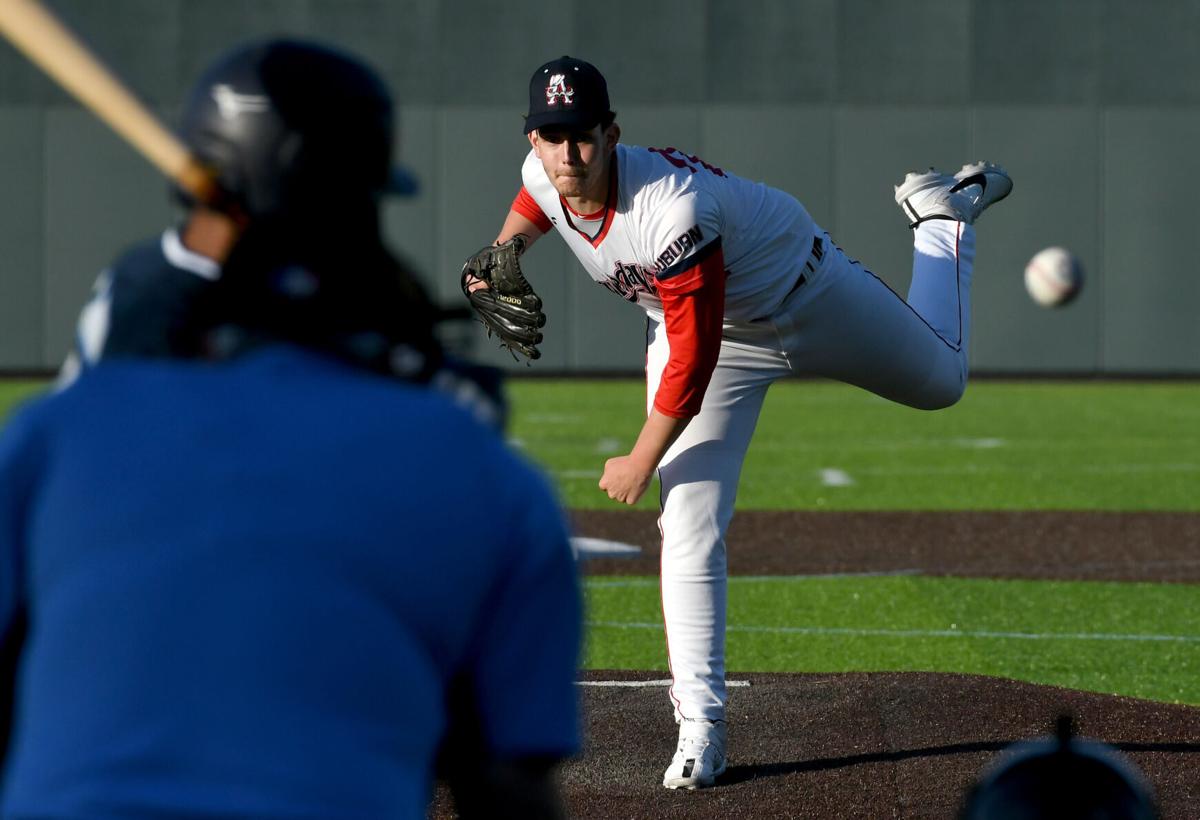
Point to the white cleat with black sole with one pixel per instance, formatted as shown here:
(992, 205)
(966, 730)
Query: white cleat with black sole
(963, 197)
(984, 184)
(700, 756)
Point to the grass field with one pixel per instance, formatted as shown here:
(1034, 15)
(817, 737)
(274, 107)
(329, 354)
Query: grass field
(1134, 639)
(820, 445)
(1006, 446)
(13, 390)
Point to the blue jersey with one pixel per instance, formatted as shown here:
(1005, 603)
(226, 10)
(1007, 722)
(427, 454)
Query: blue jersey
(141, 305)
(249, 586)
(141, 302)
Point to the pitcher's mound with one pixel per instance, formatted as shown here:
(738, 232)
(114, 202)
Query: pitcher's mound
(859, 745)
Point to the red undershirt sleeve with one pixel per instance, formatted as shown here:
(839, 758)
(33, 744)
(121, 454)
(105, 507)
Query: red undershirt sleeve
(525, 205)
(693, 300)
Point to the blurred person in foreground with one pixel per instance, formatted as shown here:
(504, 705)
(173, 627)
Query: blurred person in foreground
(229, 570)
(1060, 778)
(310, 140)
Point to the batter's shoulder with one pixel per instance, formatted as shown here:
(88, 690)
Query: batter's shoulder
(151, 290)
(142, 262)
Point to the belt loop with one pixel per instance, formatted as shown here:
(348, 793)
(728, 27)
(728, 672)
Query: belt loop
(818, 253)
(810, 264)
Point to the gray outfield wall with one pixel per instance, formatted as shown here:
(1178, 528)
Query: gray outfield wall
(1093, 105)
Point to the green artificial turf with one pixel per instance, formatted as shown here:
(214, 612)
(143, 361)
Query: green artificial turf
(822, 445)
(14, 391)
(1141, 640)
(1005, 446)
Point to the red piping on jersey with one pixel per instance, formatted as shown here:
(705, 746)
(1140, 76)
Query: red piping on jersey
(610, 207)
(955, 347)
(662, 544)
(662, 558)
(958, 279)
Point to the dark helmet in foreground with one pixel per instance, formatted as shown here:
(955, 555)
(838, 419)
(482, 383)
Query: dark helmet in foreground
(1060, 778)
(292, 125)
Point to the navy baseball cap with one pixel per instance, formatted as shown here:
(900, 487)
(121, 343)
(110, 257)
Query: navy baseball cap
(566, 92)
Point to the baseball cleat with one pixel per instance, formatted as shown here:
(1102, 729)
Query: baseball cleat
(962, 197)
(926, 195)
(984, 184)
(700, 756)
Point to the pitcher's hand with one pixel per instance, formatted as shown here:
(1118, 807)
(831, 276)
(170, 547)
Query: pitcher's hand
(625, 480)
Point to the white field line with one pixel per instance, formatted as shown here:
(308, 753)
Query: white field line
(833, 477)
(646, 683)
(608, 446)
(601, 548)
(840, 478)
(978, 443)
(554, 418)
(929, 633)
(1000, 469)
(633, 583)
(982, 443)
(642, 583)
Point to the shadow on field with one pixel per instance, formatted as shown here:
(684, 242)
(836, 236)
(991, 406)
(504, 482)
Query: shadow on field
(738, 774)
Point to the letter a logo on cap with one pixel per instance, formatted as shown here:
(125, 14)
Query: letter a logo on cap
(558, 89)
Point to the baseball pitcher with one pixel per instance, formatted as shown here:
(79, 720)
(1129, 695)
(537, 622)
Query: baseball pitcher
(741, 288)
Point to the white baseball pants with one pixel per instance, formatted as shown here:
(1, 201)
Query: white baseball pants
(844, 323)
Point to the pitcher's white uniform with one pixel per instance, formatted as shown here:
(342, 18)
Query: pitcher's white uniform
(770, 295)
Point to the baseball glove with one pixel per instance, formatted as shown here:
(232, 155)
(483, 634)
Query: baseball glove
(508, 306)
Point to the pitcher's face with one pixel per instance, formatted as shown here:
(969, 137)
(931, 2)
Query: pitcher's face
(576, 160)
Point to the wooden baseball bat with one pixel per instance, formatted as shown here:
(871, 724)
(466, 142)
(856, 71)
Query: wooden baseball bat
(49, 44)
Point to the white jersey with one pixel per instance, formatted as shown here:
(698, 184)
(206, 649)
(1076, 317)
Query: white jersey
(669, 205)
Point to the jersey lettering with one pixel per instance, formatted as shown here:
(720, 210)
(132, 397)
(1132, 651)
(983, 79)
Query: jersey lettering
(628, 280)
(682, 160)
(679, 248)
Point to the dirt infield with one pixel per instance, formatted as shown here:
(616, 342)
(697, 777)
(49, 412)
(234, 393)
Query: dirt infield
(882, 745)
(1089, 546)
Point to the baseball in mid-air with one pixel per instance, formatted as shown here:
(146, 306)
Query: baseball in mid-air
(1053, 277)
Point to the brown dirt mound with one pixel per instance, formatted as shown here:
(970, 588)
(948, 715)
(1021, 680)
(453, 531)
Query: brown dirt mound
(836, 747)
(861, 745)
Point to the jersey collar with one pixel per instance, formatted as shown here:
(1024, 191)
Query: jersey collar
(609, 210)
(182, 257)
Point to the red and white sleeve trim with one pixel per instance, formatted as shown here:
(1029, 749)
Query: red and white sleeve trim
(693, 300)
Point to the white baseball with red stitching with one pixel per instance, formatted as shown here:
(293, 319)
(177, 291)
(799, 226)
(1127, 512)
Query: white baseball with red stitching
(1053, 277)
